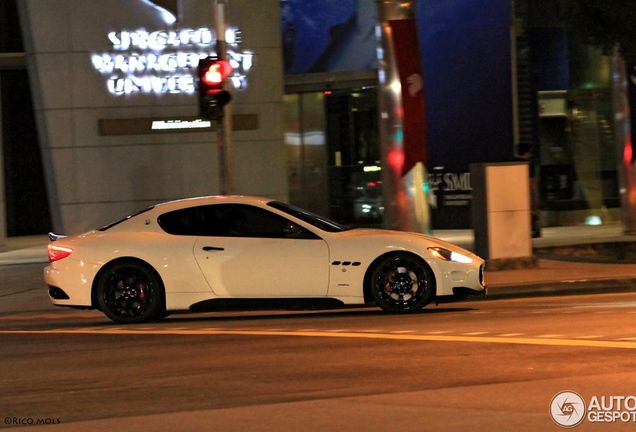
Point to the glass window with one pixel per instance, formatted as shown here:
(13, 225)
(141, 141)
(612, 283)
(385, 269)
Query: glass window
(112, 224)
(237, 220)
(309, 217)
(230, 220)
(182, 222)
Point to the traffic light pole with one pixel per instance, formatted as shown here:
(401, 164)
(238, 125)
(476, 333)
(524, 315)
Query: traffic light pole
(224, 122)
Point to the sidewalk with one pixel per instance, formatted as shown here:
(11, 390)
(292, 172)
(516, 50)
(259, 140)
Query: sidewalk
(559, 270)
(572, 260)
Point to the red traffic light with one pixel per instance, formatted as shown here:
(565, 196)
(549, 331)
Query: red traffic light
(216, 72)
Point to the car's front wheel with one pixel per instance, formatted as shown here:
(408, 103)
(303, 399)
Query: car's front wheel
(129, 292)
(402, 283)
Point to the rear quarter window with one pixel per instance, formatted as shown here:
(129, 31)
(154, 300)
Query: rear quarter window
(181, 222)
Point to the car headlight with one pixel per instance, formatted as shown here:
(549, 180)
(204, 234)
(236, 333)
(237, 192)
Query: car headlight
(447, 255)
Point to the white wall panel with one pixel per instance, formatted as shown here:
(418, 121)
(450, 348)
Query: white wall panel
(49, 25)
(94, 179)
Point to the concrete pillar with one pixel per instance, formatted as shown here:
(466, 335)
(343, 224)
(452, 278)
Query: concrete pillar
(624, 144)
(405, 203)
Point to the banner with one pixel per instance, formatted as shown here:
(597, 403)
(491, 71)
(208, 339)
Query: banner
(407, 59)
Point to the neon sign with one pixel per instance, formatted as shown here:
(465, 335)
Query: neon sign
(164, 61)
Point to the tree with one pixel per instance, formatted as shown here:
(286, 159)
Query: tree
(603, 24)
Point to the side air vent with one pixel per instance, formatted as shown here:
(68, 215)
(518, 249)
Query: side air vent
(57, 293)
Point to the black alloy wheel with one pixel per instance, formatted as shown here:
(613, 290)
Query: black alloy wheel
(402, 283)
(130, 292)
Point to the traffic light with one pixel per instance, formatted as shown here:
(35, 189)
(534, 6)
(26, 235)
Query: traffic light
(212, 97)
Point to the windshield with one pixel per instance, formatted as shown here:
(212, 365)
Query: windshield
(309, 217)
(110, 225)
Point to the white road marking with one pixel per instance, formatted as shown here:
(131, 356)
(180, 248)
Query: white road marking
(510, 334)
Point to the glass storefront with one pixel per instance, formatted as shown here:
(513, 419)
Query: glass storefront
(578, 176)
(333, 155)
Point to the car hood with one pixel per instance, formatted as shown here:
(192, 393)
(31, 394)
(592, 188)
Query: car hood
(407, 236)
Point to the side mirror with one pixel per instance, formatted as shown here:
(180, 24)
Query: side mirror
(292, 230)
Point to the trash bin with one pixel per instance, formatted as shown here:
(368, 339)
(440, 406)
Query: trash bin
(501, 214)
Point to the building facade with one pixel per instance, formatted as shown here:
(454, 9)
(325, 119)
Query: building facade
(83, 83)
(115, 103)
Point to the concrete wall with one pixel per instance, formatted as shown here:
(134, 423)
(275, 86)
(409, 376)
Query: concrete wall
(94, 179)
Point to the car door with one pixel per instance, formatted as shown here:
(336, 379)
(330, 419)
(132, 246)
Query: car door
(250, 252)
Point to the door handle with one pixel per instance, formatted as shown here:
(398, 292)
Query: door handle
(212, 248)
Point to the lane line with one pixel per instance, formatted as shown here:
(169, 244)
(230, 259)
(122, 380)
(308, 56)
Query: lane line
(402, 337)
(510, 334)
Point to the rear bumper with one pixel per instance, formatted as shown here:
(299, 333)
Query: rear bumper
(70, 282)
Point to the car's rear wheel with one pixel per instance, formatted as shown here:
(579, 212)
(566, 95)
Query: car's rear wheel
(402, 283)
(130, 292)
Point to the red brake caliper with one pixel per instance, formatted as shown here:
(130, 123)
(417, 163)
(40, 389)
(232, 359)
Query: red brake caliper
(387, 287)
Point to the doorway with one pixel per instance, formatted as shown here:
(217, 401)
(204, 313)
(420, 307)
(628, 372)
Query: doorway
(27, 208)
(333, 154)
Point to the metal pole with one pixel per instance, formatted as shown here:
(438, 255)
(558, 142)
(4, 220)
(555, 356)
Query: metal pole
(224, 123)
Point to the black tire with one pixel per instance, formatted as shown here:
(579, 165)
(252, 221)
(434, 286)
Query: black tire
(402, 283)
(129, 292)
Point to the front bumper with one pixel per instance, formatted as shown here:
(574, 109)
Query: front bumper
(469, 293)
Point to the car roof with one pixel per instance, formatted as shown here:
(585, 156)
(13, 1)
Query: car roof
(208, 200)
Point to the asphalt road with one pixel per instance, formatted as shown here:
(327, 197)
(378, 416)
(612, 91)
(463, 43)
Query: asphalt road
(483, 365)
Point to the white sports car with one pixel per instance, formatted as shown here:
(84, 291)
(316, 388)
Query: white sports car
(216, 253)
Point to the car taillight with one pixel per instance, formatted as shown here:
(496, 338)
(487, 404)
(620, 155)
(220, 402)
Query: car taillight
(58, 252)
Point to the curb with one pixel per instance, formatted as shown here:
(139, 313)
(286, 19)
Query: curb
(558, 288)
(35, 255)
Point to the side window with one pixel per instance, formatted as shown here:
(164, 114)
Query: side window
(237, 220)
(182, 222)
(230, 220)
